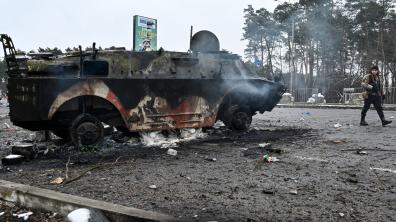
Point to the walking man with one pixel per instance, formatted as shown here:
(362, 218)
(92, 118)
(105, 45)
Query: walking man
(373, 94)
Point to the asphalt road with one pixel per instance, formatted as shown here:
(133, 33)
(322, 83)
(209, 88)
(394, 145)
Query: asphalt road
(329, 169)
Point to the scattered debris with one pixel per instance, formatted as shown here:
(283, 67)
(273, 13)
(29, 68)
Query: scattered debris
(186, 133)
(366, 149)
(338, 141)
(341, 214)
(119, 137)
(170, 140)
(291, 178)
(107, 130)
(268, 158)
(352, 180)
(86, 215)
(312, 158)
(218, 124)
(306, 113)
(172, 152)
(268, 191)
(1, 213)
(392, 117)
(12, 159)
(294, 192)
(337, 125)
(25, 149)
(58, 180)
(383, 169)
(24, 216)
(153, 187)
(264, 159)
(211, 159)
(360, 152)
(264, 145)
(53, 215)
(159, 139)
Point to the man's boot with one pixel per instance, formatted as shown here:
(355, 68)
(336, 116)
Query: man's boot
(362, 121)
(385, 122)
(382, 117)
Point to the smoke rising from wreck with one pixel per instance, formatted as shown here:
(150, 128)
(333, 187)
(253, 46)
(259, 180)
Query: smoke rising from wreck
(313, 33)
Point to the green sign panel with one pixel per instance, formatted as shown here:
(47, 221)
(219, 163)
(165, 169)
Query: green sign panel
(144, 34)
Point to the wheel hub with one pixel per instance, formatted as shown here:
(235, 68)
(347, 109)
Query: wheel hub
(88, 132)
(242, 119)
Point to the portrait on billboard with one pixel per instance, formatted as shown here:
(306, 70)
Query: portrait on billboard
(144, 33)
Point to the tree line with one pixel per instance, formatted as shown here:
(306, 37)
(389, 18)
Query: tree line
(324, 44)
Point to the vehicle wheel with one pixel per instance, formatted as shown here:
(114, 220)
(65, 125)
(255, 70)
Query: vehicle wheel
(87, 130)
(62, 133)
(241, 119)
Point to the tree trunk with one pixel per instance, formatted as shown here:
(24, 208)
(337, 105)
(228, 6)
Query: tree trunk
(269, 59)
(311, 59)
(262, 55)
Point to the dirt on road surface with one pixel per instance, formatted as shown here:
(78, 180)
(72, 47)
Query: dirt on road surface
(323, 167)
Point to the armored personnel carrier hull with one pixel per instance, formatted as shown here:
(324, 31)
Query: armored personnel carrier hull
(73, 94)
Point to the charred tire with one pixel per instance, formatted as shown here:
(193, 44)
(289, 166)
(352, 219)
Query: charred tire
(241, 119)
(86, 129)
(238, 118)
(62, 133)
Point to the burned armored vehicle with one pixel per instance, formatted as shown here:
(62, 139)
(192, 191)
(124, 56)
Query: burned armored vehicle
(73, 94)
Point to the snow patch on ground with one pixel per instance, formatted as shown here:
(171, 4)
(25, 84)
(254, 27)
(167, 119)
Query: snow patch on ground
(24, 216)
(79, 215)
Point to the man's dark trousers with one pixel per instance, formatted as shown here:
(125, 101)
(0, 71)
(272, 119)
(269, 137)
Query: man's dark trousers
(376, 100)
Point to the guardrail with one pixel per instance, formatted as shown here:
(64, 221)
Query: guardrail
(390, 95)
(303, 94)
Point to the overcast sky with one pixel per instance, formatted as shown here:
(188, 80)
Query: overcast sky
(50, 23)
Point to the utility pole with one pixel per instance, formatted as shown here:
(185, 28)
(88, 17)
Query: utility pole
(292, 57)
(291, 70)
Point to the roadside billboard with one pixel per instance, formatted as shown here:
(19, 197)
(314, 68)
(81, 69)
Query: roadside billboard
(144, 33)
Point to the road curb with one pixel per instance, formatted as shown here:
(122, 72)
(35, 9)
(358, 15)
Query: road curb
(48, 200)
(332, 106)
